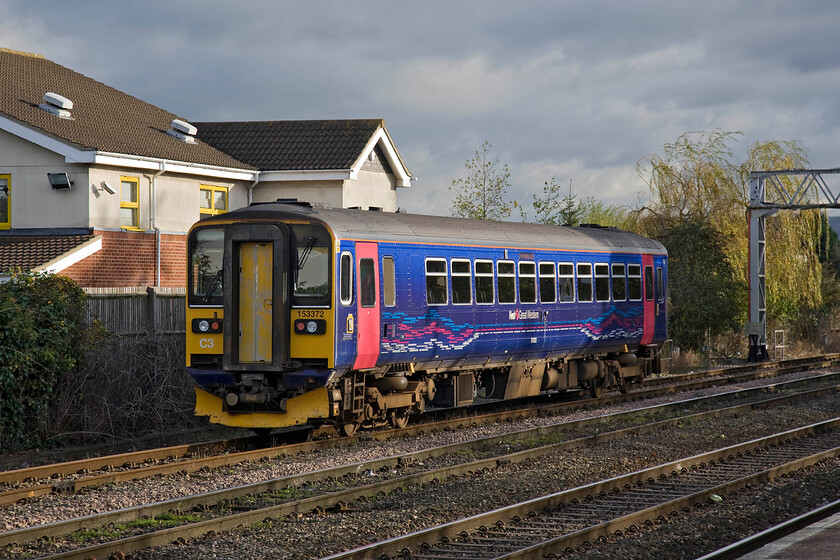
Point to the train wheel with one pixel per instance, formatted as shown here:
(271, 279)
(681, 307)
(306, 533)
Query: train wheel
(623, 386)
(349, 429)
(399, 418)
(595, 388)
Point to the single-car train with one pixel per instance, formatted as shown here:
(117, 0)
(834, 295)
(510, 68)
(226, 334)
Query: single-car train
(297, 315)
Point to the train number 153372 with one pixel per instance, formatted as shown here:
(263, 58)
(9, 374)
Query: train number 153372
(311, 314)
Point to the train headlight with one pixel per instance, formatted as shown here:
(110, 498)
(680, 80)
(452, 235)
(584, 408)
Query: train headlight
(311, 326)
(207, 326)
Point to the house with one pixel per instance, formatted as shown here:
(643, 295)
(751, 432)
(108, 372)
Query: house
(102, 187)
(338, 163)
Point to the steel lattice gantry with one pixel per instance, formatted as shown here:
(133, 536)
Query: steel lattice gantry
(771, 191)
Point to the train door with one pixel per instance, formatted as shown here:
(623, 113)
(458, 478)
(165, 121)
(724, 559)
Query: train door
(661, 288)
(367, 305)
(648, 299)
(256, 294)
(255, 301)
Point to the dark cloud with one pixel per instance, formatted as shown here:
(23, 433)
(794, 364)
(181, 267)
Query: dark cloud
(577, 89)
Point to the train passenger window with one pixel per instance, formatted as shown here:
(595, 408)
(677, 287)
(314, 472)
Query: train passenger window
(346, 279)
(566, 274)
(634, 282)
(649, 283)
(206, 248)
(527, 282)
(660, 286)
(461, 282)
(584, 274)
(602, 282)
(548, 279)
(436, 289)
(389, 281)
(507, 282)
(484, 285)
(367, 283)
(619, 286)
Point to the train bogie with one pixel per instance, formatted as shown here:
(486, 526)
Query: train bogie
(297, 316)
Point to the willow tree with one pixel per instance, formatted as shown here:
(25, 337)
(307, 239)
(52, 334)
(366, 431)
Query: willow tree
(482, 194)
(793, 269)
(697, 180)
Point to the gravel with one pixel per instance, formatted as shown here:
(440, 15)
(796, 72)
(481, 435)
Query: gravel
(312, 536)
(315, 536)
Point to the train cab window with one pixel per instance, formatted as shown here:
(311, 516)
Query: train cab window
(461, 282)
(346, 279)
(566, 276)
(206, 250)
(619, 283)
(602, 282)
(649, 283)
(367, 283)
(507, 281)
(660, 285)
(484, 285)
(634, 282)
(436, 290)
(311, 258)
(584, 285)
(389, 282)
(527, 282)
(548, 279)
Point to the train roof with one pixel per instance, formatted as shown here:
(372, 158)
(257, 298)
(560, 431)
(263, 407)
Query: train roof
(418, 228)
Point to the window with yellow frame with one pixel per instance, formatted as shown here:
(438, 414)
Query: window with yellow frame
(214, 200)
(129, 202)
(5, 202)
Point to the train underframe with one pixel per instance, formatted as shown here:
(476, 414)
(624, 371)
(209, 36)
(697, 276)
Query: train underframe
(368, 399)
(390, 394)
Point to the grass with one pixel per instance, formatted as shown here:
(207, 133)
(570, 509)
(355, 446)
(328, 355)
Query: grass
(162, 521)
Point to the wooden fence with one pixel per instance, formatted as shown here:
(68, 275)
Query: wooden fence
(134, 311)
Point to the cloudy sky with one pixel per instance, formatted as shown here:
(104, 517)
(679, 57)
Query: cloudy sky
(570, 90)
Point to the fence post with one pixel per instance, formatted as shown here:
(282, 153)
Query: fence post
(151, 309)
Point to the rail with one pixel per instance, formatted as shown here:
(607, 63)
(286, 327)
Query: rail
(401, 462)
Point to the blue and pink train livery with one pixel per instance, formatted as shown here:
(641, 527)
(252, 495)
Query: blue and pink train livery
(305, 316)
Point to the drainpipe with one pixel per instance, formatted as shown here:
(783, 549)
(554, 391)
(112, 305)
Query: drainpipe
(251, 188)
(153, 195)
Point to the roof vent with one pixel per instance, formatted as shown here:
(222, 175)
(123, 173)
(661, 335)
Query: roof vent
(57, 105)
(182, 130)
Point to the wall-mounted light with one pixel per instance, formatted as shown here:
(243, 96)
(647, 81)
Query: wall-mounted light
(103, 186)
(59, 181)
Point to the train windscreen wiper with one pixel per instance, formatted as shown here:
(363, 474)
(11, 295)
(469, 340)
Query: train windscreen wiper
(217, 279)
(304, 254)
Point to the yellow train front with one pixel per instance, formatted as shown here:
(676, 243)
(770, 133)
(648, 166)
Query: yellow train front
(301, 316)
(260, 319)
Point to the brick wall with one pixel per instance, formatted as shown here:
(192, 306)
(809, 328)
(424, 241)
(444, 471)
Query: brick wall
(128, 259)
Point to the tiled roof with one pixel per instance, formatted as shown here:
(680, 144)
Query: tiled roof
(292, 145)
(103, 118)
(32, 251)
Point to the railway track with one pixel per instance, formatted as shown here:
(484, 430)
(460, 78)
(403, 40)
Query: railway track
(564, 520)
(773, 534)
(404, 467)
(193, 457)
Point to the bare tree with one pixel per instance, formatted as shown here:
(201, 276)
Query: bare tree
(481, 194)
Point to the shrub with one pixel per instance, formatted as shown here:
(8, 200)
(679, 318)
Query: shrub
(42, 339)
